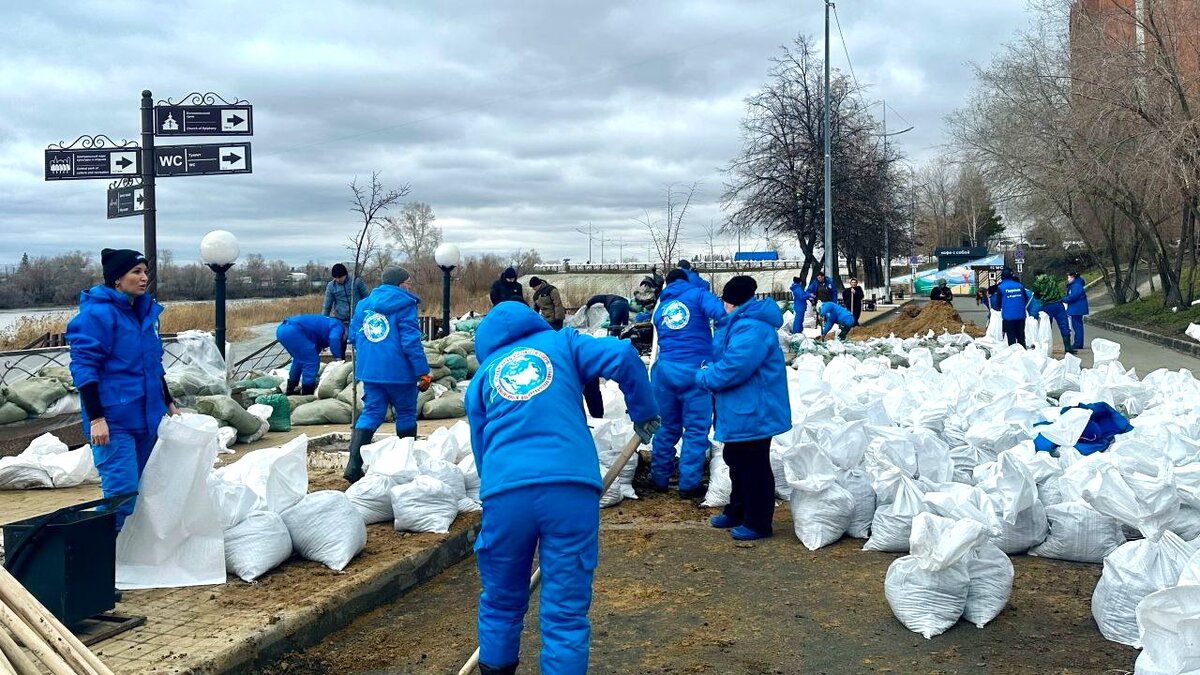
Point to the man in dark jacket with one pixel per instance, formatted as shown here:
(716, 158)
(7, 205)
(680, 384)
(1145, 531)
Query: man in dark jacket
(616, 305)
(548, 303)
(941, 292)
(506, 288)
(852, 298)
(820, 289)
(340, 293)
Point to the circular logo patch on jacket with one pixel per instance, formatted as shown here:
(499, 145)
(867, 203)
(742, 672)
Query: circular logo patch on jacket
(522, 375)
(675, 315)
(376, 327)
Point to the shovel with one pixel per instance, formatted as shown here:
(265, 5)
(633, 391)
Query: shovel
(626, 452)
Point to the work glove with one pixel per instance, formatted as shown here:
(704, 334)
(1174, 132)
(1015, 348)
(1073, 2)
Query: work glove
(645, 429)
(424, 382)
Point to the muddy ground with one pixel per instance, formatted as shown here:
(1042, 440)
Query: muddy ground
(675, 596)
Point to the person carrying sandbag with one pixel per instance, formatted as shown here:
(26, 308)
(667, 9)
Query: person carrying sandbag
(540, 478)
(389, 360)
(833, 314)
(305, 336)
(116, 363)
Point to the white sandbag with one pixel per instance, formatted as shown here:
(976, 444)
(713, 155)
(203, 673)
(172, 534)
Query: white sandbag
(1134, 498)
(928, 590)
(1066, 430)
(393, 457)
(174, 536)
(821, 509)
(443, 444)
(1169, 629)
(782, 489)
(611, 437)
(1186, 523)
(424, 504)
(257, 545)
(23, 473)
(227, 436)
(46, 463)
(1079, 533)
(855, 482)
(263, 427)
(326, 528)
(1030, 529)
(991, 579)
(234, 501)
(1132, 572)
(278, 475)
(1104, 351)
(720, 486)
(891, 526)
(448, 473)
(261, 411)
(470, 476)
(371, 497)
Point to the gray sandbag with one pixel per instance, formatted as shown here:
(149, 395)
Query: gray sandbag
(423, 398)
(3, 394)
(11, 412)
(447, 382)
(334, 379)
(297, 400)
(436, 359)
(447, 406)
(322, 411)
(437, 373)
(36, 394)
(230, 412)
(472, 365)
(59, 373)
(347, 395)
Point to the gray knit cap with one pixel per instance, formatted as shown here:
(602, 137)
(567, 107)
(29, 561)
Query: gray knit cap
(394, 276)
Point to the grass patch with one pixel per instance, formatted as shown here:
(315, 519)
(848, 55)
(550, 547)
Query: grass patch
(1148, 313)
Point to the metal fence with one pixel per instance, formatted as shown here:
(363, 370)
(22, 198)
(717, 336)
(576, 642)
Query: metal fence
(644, 267)
(23, 364)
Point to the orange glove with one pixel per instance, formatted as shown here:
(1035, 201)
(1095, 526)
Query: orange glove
(424, 382)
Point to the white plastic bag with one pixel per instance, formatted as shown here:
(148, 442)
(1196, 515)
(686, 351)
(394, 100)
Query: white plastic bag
(234, 501)
(326, 528)
(424, 504)
(278, 475)
(991, 579)
(257, 545)
(1169, 628)
(1104, 351)
(174, 537)
(371, 497)
(1132, 572)
(928, 589)
(1079, 533)
(821, 509)
(855, 482)
(891, 527)
(720, 486)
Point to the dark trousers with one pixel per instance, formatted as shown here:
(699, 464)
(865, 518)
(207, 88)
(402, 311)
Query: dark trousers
(1014, 331)
(593, 399)
(752, 499)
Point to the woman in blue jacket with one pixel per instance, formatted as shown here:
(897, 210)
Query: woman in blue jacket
(304, 337)
(800, 298)
(540, 479)
(389, 360)
(116, 363)
(1076, 303)
(833, 314)
(750, 385)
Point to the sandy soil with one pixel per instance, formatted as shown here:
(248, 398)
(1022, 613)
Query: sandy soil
(917, 319)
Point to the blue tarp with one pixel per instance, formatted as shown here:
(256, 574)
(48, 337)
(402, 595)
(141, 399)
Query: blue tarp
(1105, 425)
(756, 255)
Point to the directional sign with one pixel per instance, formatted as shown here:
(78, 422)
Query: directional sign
(203, 120)
(92, 163)
(1019, 254)
(126, 201)
(913, 261)
(201, 159)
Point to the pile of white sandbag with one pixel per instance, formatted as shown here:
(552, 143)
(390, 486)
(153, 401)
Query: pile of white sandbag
(47, 463)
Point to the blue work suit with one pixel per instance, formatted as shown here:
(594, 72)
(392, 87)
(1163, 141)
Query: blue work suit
(115, 345)
(1076, 307)
(683, 321)
(1011, 298)
(388, 357)
(696, 280)
(305, 336)
(800, 298)
(815, 285)
(833, 313)
(540, 477)
(1057, 313)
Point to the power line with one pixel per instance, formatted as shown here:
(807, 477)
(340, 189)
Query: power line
(854, 77)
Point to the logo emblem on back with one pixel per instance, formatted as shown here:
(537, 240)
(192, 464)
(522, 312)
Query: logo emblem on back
(376, 327)
(675, 315)
(522, 375)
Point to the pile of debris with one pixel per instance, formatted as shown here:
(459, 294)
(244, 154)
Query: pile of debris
(918, 319)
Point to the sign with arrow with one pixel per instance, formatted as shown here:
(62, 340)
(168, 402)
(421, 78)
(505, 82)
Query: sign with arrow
(203, 159)
(81, 164)
(126, 201)
(204, 120)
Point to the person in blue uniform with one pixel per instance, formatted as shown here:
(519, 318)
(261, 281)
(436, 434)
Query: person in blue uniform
(389, 360)
(833, 314)
(749, 383)
(540, 479)
(1011, 298)
(116, 363)
(800, 298)
(304, 337)
(693, 276)
(683, 322)
(617, 307)
(1076, 304)
(820, 289)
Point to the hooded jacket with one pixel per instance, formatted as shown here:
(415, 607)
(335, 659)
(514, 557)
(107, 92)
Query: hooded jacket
(548, 303)
(696, 280)
(800, 295)
(814, 288)
(747, 375)
(1011, 298)
(323, 331)
(527, 422)
(683, 319)
(834, 313)
(507, 291)
(116, 346)
(1076, 298)
(387, 338)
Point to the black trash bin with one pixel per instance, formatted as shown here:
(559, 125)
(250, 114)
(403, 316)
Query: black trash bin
(67, 559)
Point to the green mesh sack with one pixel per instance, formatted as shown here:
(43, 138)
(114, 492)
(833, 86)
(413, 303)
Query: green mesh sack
(281, 415)
(457, 365)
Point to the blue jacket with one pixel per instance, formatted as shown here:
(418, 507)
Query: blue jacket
(116, 345)
(814, 285)
(1011, 299)
(324, 332)
(834, 313)
(337, 297)
(682, 321)
(799, 296)
(747, 374)
(387, 337)
(524, 403)
(696, 280)
(1076, 298)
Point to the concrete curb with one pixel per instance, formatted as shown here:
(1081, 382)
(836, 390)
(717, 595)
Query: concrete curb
(1187, 347)
(303, 627)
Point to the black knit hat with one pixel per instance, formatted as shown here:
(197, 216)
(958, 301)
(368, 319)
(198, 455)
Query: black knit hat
(339, 270)
(117, 262)
(676, 275)
(534, 282)
(684, 265)
(739, 290)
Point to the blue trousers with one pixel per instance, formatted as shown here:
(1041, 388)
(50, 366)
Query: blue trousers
(798, 322)
(306, 358)
(561, 521)
(377, 396)
(686, 412)
(120, 464)
(1077, 330)
(618, 313)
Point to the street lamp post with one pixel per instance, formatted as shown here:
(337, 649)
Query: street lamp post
(219, 250)
(447, 257)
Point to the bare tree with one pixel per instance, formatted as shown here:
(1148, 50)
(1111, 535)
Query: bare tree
(525, 259)
(369, 202)
(414, 232)
(665, 231)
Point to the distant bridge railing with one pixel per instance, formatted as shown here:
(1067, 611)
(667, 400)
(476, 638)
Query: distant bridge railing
(644, 268)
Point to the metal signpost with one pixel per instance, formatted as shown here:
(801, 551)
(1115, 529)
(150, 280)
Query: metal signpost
(912, 276)
(195, 115)
(1019, 258)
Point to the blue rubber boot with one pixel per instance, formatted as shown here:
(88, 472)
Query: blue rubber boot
(743, 533)
(723, 522)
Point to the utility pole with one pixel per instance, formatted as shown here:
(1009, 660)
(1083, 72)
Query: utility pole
(588, 232)
(830, 251)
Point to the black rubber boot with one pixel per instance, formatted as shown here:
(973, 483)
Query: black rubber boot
(485, 669)
(354, 467)
(308, 389)
(407, 433)
(292, 386)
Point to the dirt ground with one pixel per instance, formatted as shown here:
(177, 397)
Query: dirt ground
(917, 319)
(673, 595)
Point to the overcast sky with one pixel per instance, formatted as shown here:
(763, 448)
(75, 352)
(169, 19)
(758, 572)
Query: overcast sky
(518, 121)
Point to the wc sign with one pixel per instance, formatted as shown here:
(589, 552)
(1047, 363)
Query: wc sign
(201, 159)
